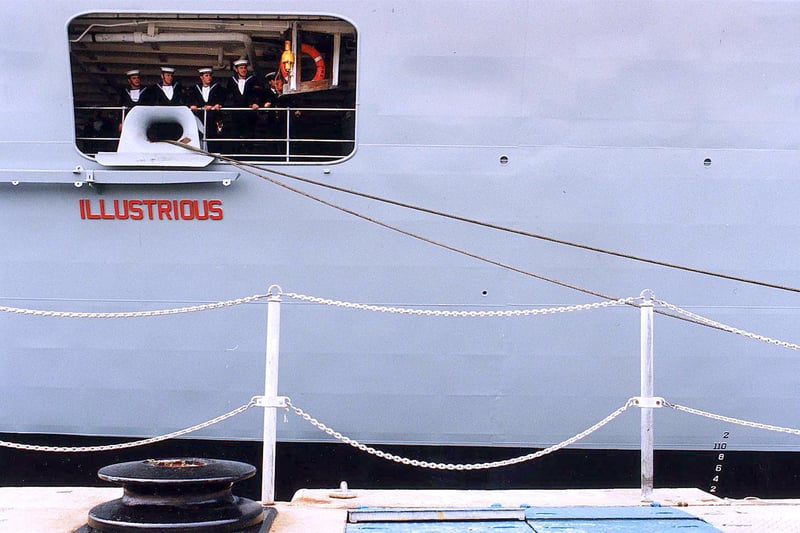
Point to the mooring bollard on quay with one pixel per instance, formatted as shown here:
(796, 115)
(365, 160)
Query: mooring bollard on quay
(190, 495)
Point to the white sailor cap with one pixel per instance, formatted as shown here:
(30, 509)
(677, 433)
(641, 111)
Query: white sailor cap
(270, 76)
(204, 70)
(133, 72)
(167, 69)
(239, 62)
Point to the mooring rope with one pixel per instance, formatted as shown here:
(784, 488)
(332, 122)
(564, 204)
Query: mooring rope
(253, 169)
(250, 167)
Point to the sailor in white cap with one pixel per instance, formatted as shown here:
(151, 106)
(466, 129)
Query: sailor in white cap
(133, 94)
(167, 91)
(207, 94)
(240, 87)
(244, 90)
(206, 99)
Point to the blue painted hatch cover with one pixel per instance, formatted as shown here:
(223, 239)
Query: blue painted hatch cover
(456, 526)
(529, 520)
(616, 519)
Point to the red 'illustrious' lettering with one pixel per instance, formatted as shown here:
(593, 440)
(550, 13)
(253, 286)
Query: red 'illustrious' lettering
(188, 209)
(164, 209)
(135, 207)
(215, 208)
(121, 215)
(103, 214)
(149, 204)
(88, 209)
(150, 209)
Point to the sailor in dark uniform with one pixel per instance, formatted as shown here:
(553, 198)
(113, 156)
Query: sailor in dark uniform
(244, 91)
(206, 99)
(132, 95)
(276, 120)
(272, 92)
(270, 100)
(281, 126)
(164, 93)
(167, 91)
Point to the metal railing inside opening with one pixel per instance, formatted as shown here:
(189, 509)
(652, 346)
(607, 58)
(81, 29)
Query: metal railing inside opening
(281, 134)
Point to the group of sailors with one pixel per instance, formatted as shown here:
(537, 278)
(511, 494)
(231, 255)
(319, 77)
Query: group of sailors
(243, 90)
(243, 114)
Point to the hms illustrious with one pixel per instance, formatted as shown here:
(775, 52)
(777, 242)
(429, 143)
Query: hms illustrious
(487, 156)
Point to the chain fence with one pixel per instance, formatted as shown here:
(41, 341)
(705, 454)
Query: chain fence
(134, 314)
(463, 314)
(737, 421)
(390, 456)
(451, 466)
(522, 458)
(321, 301)
(725, 327)
(275, 291)
(132, 444)
(401, 311)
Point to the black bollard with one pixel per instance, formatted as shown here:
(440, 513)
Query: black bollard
(178, 495)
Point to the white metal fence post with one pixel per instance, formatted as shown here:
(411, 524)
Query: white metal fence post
(646, 336)
(270, 395)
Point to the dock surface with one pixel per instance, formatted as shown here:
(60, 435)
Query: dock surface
(64, 509)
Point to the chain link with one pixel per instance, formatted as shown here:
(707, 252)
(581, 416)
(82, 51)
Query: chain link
(134, 314)
(450, 466)
(721, 418)
(403, 311)
(124, 445)
(725, 327)
(400, 310)
(322, 301)
(389, 456)
(470, 314)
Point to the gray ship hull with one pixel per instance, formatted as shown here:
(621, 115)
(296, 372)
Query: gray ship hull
(664, 130)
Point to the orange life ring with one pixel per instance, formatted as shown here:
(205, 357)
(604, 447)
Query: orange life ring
(316, 56)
